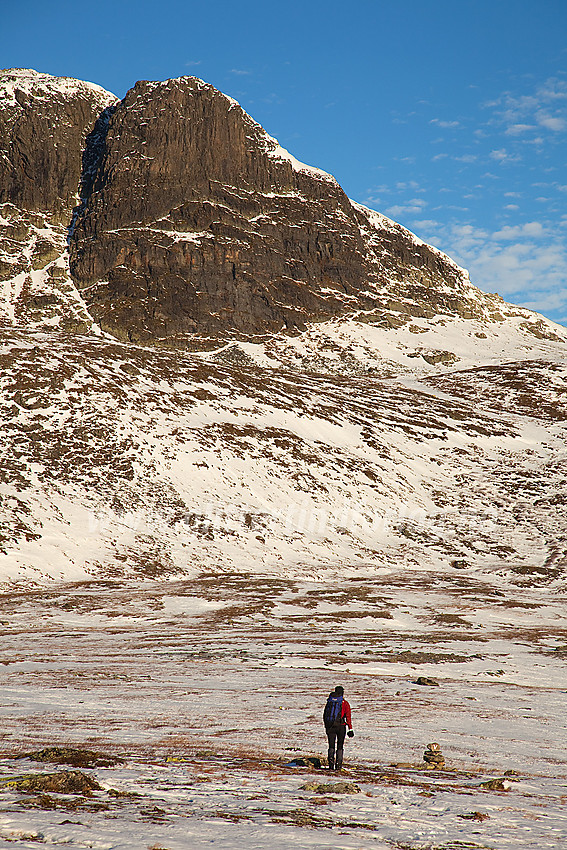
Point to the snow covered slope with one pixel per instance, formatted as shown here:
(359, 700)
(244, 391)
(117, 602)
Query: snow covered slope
(120, 460)
(359, 402)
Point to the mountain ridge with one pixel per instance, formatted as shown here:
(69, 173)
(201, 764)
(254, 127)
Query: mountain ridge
(160, 418)
(208, 263)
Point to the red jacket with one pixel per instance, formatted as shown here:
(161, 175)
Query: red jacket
(345, 714)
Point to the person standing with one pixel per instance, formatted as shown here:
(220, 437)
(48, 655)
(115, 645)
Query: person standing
(337, 718)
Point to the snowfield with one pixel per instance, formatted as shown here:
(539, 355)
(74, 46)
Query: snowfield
(198, 547)
(210, 688)
(136, 462)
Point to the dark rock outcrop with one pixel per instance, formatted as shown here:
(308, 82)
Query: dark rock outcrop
(197, 224)
(189, 225)
(44, 121)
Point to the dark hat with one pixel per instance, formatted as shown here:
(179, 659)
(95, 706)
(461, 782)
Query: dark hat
(339, 690)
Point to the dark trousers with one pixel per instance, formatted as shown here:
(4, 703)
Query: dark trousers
(336, 734)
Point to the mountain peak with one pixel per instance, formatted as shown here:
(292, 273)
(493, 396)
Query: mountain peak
(198, 225)
(344, 396)
(37, 85)
(189, 226)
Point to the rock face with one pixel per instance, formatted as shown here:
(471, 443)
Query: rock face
(44, 122)
(196, 224)
(189, 225)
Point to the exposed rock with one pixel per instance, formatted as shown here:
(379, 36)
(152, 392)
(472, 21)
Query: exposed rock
(427, 682)
(44, 122)
(63, 782)
(434, 357)
(72, 756)
(308, 761)
(124, 795)
(433, 757)
(495, 785)
(332, 787)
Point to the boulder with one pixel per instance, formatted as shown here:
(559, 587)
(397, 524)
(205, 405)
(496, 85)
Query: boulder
(424, 680)
(63, 782)
(72, 756)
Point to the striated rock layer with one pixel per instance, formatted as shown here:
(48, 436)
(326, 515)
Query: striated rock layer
(172, 218)
(198, 224)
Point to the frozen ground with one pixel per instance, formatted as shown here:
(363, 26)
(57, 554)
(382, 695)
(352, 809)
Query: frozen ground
(207, 687)
(195, 548)
(123, 461)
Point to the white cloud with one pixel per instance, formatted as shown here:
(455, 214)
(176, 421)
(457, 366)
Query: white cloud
(427, 224)
(518, 129)
(545, 108)
(553, 89)
(552, 122)
(411, 184)
(449, 125)
(546, 302)
(502, 156)
(531, 229)
(518, 269)
(526, 263)
(416, 205)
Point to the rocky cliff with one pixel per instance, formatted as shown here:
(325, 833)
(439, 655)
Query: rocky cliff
(44, 124)
(189, 225)
(197, 224)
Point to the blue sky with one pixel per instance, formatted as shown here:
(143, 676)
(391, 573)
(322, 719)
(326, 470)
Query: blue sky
(449, 116)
